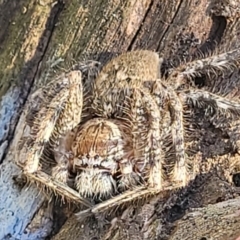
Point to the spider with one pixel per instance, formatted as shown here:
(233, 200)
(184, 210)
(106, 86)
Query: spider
(110, 135)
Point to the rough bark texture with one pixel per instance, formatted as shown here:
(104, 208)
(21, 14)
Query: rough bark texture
(40, 38)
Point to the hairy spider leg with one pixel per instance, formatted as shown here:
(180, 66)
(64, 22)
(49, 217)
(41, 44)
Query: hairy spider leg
(60, 115)
(176, 110)
(145, 131)
(45, 130)
(201, 98)
(57, 187)
(152, 148)
(168, 100)
(206, 64)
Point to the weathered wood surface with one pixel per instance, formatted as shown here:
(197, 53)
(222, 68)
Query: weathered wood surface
(202, 211)
(40, 38)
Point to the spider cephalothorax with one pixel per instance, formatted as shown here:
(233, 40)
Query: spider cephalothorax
(132, 138)
(99, 148)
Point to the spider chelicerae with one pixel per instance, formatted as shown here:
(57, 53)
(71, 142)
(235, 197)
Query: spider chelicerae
(102, 136)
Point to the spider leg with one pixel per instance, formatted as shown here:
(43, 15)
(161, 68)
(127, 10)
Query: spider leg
(61, 113)
(58, 187)
(220, 61)
(176, 109)
(146, 138)
(58, 116)
(168, 100)
(124, 198)
(202, 98)
(205, 65)
(43, 133)
(213, 103)
(146, 135)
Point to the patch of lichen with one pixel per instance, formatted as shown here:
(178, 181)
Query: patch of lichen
(21, 41)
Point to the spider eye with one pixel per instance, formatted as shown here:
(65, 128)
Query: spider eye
(87, 156)
(96, 157)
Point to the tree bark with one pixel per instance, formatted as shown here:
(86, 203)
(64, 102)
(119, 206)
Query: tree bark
(39, 39)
